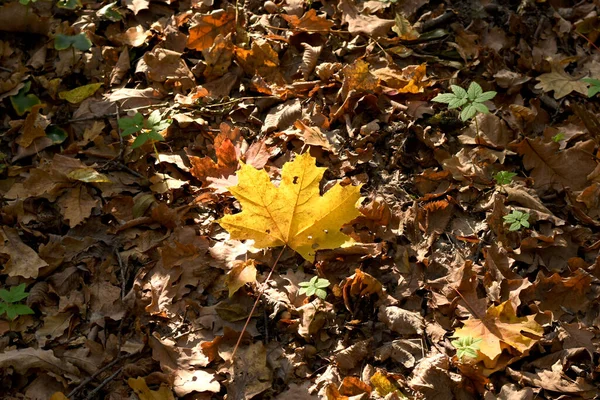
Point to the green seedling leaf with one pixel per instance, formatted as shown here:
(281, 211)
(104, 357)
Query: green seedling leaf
(471, 100)
(466, 347)
(131, 125)
(12, 296)
(23, 102)
(68, 4)
(79, 42)
(110, 13)
(316, 286)
(594, 88)
(15, 294)
(56, 134)
(558, 137)
(517, 220)
(504, 177)
(26, 2)
(80, 93)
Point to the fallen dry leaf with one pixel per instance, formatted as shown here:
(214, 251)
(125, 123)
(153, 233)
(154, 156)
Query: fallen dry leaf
(292, 214)
(499, 329)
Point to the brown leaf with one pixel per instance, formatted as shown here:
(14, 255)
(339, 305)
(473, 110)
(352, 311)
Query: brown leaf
(23, 360)
(250, 374)
(358, 23)
(561, 82)
(34, 126)
(205, 28)
(23, 261)
(181, 364)
(76, 205)
(554, 169)
(554, 380)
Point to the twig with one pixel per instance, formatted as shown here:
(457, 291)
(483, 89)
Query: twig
(6, 69)
(114, 114)
(121, 146)
(256, 303)
(304, 30)
(437, 21)
(237, 100)
(95, 374)
(102, 384)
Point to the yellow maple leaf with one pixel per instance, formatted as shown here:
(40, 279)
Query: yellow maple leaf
(293, 214)
(500, 329)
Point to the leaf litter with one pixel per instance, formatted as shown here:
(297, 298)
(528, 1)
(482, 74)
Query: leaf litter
(155, 154)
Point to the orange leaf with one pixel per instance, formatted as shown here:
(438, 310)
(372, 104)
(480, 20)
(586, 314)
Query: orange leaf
(499, 329)
(309, 22)
(206, 28)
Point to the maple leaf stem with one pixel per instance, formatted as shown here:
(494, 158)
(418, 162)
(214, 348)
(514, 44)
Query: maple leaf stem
(256, 303)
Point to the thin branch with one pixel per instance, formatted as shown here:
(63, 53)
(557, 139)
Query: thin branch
(256, 303)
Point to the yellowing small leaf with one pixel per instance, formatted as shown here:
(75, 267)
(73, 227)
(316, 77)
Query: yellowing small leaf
(88, 175)
(141, 389)
(501, 328)
(242, 273)
(79, 94)
(293, 214)
(561, 82)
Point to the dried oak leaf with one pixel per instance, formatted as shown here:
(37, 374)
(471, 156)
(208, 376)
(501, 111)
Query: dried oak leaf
(561, 82)
(293, 214)
(24, 261)
(309, 22)
(554, 169)
(207, 27)
(22, 360)
(500, 328)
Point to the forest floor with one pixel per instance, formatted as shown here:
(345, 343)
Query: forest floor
(470, 265)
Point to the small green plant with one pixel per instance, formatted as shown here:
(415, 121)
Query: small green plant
(23, 102)
(69, 4)
(594, 87)
(146, 130)
(466, 347)
(504, 177)
(558, 137)
(10, 299)
(109, 12)
(517, 220)
(27, 2)
(79, 42)
(316, 286)
(470, 100)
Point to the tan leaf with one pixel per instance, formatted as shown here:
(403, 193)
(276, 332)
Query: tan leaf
(561, 82)
(137, 5)
(182, 364)
(23, 360)
(205, 28)
(498, 329)
(240, 274)
(358, 23)
(309, 22)
(23, 261)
